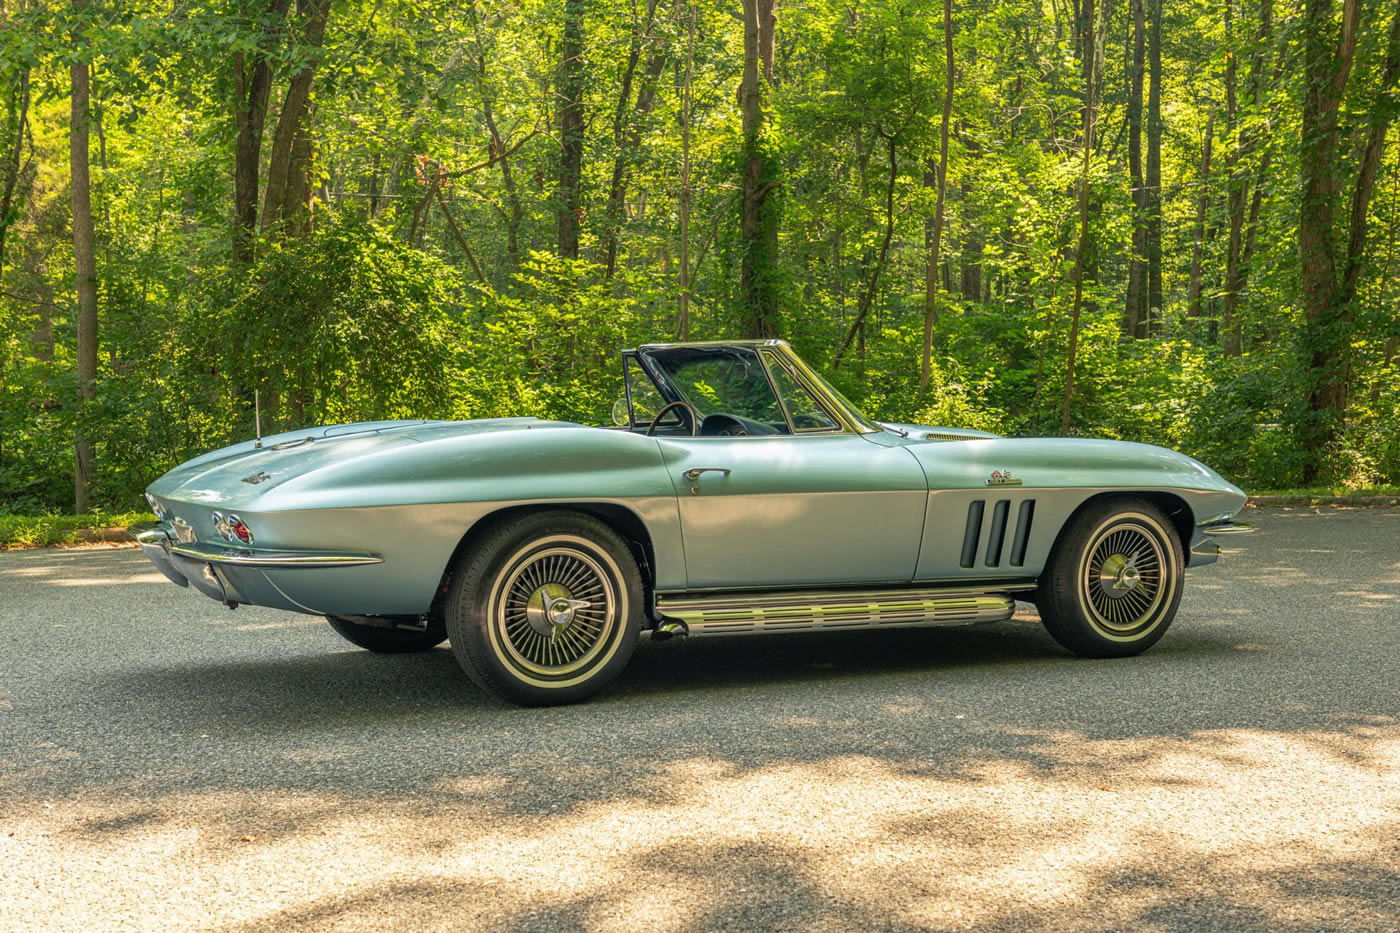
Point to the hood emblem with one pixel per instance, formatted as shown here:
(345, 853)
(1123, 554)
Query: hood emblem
(1003, 478)
(258, 477)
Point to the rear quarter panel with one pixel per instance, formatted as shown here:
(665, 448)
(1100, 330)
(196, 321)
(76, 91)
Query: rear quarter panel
(413, 504)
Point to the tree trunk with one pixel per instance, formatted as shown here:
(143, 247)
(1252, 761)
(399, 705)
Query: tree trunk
(867, 298)
(1327, 329)
(252, 85)
(1193, 306)
(974, 247)
(758, 230)
(1240, 245)
(625, 132)
(934, 234)
(1135, 311)
(683, 305)
(85, 270)
(17, 128)
(515, 215)
(1081, 254)
(1235, 198)
(570, 92)
(284, 199)
(1154, 168)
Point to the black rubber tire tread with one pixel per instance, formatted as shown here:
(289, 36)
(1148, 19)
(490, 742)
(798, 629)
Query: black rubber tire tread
(390, 640)
(1057, 595)
(467, 609)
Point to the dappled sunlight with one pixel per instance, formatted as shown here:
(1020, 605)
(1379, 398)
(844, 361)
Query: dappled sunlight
(1073, 832)
(98, 566)
(109, 581)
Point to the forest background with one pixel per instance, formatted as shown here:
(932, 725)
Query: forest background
(1171, 221)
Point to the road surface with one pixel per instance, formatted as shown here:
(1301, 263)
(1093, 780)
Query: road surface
(166, 763)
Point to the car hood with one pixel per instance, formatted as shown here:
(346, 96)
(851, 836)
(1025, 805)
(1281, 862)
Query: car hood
(239, 475)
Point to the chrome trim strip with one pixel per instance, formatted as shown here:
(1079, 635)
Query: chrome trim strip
(254, 557)
(1203, 552)
(766, 613)
(150, 534)
(1227, 528)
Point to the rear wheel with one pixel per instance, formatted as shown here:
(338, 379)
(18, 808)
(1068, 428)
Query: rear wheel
(1113, 582)
(546, 609)
(390, 640)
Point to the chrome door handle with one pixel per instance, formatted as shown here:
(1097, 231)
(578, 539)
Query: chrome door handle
(693, 474)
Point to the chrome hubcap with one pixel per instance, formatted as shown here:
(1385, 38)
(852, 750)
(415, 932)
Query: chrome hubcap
(1117, 575)
(550, 609)
(558, 606)
(1124, 577)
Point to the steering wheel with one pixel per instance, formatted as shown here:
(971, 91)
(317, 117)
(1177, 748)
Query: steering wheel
(690, 409)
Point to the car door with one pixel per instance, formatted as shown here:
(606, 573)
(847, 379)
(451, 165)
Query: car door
(796, 510)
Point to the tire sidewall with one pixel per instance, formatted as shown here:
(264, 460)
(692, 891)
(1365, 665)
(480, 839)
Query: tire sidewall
(1063, 598)
(479, 587)
(1163, 608)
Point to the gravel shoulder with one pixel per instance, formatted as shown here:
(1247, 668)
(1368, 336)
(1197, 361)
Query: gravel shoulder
(168, 764)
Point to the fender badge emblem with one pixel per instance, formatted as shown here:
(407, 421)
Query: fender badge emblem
(1003, 478)
(257, 478)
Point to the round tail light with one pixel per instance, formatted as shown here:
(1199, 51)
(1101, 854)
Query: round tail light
(240, 532)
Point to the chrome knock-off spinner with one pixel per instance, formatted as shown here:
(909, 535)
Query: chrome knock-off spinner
(1124, 579)
(558, 607)
(1117, 575)
(551, 609)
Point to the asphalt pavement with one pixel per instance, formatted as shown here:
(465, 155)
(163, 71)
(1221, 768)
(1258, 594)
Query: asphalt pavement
(166, 763)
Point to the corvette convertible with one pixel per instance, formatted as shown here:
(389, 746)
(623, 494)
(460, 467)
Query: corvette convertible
(738, 493)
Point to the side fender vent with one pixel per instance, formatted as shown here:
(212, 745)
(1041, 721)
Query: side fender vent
(972, 532)
(1023, 532)
(997, 537)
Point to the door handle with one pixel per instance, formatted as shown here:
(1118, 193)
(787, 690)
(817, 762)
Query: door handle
(693, 474)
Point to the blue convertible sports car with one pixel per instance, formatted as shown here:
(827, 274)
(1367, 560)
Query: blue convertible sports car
(739, 493)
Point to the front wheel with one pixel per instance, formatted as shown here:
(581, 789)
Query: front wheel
(546, 608)
(1113, 582)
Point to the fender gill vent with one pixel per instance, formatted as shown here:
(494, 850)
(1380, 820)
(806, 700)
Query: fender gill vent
(997, 536)
(1023, 532)
(972, 533)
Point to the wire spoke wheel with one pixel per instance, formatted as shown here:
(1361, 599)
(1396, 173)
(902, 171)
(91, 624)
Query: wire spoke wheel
(1125, 578)
(555, 610)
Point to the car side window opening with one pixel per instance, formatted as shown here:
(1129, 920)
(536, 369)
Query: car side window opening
(646, 401)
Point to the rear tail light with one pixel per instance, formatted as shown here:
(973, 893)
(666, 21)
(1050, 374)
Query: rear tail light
(232, 529)
(240, 532)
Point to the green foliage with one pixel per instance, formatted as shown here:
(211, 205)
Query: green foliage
(376, 311)
(24, 531)
(343, 323)
(549, 347)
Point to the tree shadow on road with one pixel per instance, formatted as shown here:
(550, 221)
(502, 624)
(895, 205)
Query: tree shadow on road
(1244, 773)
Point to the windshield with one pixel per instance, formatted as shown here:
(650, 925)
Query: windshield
(865, 425)
(722, 380)
(739, 381)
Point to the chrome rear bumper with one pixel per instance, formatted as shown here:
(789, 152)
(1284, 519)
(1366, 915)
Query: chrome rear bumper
(1204, 550)
(222, 572)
